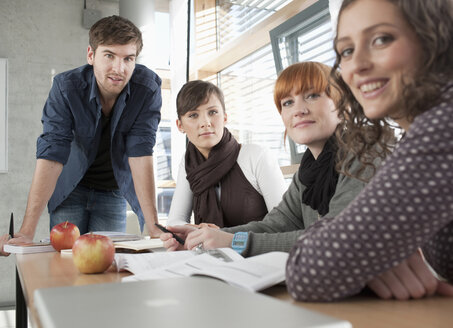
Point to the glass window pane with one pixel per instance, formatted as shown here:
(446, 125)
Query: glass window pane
(235, 17)
(248, 84)
(252, 116)
(162, 151)
(312, 42)
(162, 155)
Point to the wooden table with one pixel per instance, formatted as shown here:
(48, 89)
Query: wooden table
(371, 312)
(44, 270)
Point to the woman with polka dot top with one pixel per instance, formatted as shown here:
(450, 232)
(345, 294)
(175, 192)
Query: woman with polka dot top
(395, 61)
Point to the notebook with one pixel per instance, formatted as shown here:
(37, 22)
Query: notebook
(28, 248)
(115, 236)
(179, 302)
(138, 246)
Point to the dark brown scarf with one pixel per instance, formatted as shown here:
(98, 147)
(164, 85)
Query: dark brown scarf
(204, 175)
(320, 177)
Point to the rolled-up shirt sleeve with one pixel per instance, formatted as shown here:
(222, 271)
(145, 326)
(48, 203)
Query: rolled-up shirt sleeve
(141, 138)
(55, 141)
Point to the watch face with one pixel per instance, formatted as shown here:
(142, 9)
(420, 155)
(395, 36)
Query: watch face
(239, 243)
(240, 237)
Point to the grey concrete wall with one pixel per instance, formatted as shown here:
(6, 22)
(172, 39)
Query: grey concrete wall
(40, 38)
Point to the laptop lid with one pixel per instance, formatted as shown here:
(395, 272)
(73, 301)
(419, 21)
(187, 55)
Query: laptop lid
(176, 303)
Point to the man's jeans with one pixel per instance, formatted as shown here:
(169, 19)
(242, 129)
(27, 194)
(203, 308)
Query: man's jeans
(92, 210)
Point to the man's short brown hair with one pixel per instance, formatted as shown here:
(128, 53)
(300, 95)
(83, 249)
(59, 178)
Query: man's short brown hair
(115, 30)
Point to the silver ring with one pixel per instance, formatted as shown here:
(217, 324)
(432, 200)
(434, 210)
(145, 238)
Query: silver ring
(199, 248)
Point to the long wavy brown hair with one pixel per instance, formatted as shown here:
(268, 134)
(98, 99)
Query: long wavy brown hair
(432, 22)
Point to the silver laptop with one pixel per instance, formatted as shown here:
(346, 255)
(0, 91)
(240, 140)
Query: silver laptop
(176, 303)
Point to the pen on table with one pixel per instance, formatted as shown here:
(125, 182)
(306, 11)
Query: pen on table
(11, 226)
(178, 239)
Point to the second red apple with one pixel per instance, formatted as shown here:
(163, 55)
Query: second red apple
(63, 235)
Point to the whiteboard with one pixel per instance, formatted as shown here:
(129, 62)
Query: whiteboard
(3, 115)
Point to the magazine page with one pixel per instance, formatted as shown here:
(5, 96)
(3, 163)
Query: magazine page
(254, 273)
(187, 263)
(145, 262)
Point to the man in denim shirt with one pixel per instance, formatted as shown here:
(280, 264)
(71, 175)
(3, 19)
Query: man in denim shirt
(99, 130)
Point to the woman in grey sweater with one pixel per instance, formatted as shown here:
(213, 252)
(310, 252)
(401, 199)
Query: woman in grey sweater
(307, 104)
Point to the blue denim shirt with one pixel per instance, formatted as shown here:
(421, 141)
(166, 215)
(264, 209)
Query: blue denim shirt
(71, 128)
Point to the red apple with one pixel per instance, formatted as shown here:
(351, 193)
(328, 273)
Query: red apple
(93, 253)
(63, 235)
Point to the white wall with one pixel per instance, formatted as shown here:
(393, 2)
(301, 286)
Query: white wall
(178, 51)
(40, 38)
(3, 115)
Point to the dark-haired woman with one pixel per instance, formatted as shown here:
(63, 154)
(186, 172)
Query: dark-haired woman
(223, 182)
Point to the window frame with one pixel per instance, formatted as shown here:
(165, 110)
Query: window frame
(303, 20)
(313, 16)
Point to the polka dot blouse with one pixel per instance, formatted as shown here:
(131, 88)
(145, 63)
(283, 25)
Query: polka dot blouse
(407, 205)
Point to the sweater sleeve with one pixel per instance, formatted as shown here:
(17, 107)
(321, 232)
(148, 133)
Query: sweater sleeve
(181, 204)
(261, 169)
(281, 227)
(270, 179)
(407, 205)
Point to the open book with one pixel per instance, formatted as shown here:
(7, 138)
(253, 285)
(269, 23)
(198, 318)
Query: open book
(253, 273)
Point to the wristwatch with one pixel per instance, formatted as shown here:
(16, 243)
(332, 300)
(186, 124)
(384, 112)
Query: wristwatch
(239, 242)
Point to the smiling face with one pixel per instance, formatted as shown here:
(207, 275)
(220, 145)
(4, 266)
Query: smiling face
(310, 118)
(113, 66)
(204, 125)
(379, 54)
